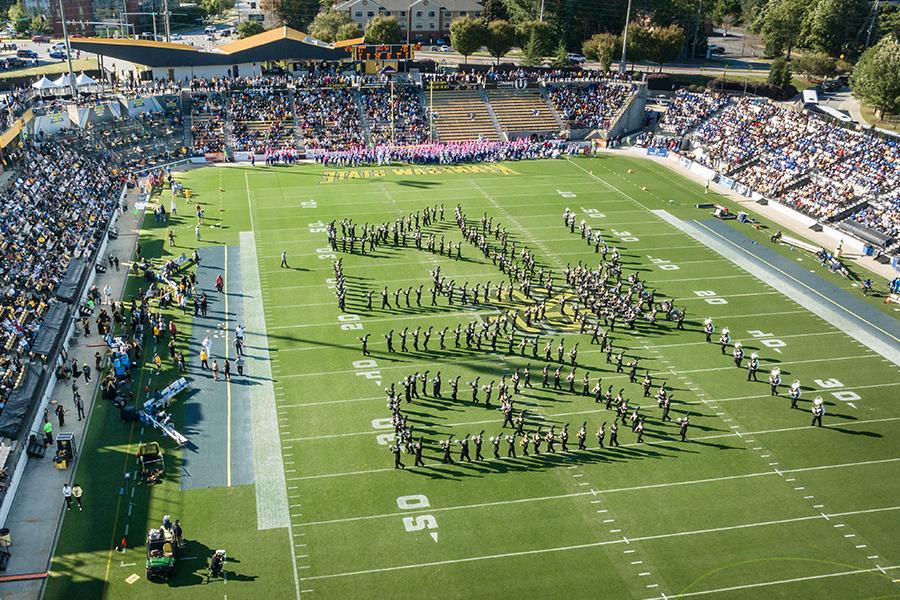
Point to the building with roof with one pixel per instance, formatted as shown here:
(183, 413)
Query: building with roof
(422, 20)
(241, 58)
(94, 10)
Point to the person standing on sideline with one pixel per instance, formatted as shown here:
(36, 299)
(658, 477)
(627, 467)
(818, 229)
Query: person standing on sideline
(76, 493)
(284, 263)
(79, 406)
(179, 533)
(61, 415)
(227, 370)
(240, 365)
(87, 372)
(48, 433)
(215, 370)
(197, 231)
(67, 495)
(220, 283)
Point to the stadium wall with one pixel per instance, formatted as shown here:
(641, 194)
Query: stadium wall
(207, 71)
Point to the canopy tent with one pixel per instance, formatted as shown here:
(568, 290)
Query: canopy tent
(62, 81)
(43, 84)
(85, 80)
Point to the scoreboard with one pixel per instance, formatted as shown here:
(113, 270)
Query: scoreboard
(366, 52)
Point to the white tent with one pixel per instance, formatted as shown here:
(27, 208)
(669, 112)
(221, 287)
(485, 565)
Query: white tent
(43, 84)
(62, 81)
(85, 80)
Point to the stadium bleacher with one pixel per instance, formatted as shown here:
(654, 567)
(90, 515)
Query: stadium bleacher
(462, 115)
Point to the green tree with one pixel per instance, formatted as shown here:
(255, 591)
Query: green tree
(531, 54)
(544, 35)
(297, 14)
(876, 78)
(832, 25)
(560, 56)
(815, 65)
(726, 13)
(216, 7)
(889, 21)
(780, 73)
(780, 23)
(602, 47)
(327, 23)
(467, 35)
(20, 19)
(248, 28)
(501, 36)
(638, 42)
(523, 10)
(494, 10)
(383, 30)
(39, 24)
(664, 44)
(348, 31)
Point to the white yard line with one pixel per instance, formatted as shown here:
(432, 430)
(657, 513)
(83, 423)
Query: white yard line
(636, 488)
(770, 583)
(631, 445)
(601, 543)
(423, 365)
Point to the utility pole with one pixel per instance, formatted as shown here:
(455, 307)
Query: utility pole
(696, 30)
(625, 39)
(166, 20)
(872, 23)
(65, 29)
(541, 18)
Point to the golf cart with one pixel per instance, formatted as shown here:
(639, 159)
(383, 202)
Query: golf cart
(153, 466)
(160, 553)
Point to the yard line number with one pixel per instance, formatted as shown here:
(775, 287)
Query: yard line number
(847, 396)
(418, 522)
(710, 297)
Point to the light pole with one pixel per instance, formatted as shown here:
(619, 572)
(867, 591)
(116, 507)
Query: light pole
(65, 29)
(625, 39)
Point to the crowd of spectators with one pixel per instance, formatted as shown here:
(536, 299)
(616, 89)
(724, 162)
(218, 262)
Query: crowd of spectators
(409, 121)
(797, 157)
(55, 210)
(262, 119)
(448, 154)
(592, 106)
(689, 110)
(208, 121)
(881, 215)
(328, 118)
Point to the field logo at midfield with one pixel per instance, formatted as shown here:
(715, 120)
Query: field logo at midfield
(343, 175)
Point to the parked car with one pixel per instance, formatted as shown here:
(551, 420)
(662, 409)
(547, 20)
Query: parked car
(576, 58)
(441, 42)
(446, 48)
(176, 37)
(58, 54)
(58, 46)
(26, 53)
(40, 39)
(76, 35)
(716, 49)
(14, 62)
(210, 29)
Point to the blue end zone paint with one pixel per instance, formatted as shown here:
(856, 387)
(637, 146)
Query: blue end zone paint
(801, 273)
(206, 414)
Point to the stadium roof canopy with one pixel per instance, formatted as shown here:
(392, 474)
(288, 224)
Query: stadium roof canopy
(282, 43)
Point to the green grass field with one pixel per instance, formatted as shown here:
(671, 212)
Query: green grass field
(756, 504)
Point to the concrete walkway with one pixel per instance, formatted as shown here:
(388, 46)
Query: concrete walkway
(772, 214)
(38, 509)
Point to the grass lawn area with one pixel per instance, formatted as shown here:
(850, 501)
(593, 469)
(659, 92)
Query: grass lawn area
(756, 504)
(56, 68)
(890, 122)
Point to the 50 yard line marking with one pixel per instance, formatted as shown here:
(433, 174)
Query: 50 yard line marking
(227, 383)
(630, 540)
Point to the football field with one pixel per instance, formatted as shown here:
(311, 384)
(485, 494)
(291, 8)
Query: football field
(756, 503)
